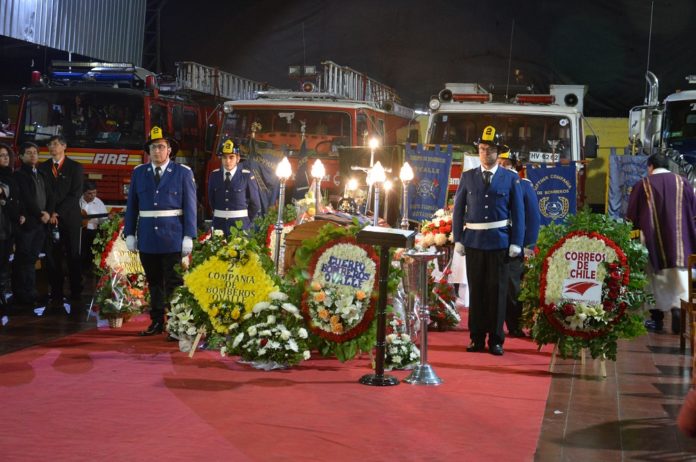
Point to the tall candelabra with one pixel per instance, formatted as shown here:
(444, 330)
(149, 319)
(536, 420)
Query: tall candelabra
(283, 172)
(318, 172)
(378, 178)
(374, 144)
(406, 176)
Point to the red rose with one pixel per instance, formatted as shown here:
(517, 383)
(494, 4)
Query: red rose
(608, 305)
(615, 275)
(622, 306)
(263, 342)
(568, 309)
(613, 293)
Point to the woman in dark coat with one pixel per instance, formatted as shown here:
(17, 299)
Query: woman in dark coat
(9, 216)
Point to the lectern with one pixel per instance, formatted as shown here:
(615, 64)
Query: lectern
(384, 238)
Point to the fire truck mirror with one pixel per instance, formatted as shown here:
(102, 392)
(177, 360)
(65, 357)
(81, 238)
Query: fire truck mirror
(591, 146)
(210, 133)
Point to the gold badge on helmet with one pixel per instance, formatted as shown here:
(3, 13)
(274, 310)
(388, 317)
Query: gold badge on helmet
(488, 134)
(156, 133)
(228, 147)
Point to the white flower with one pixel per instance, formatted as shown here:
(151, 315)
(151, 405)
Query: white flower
(237, 339)
(251, 331)
(262, 351)
(306, 355)
(302, 332)
(290, 308)
(273, 345)
(246, 316)
(439, 213)
(285, 334)
(271, 319)
(265, 333)
(191, 330)
(223, 351)
(396, 359)
(292, 345)
(260, 306)
(390, 338)
(277, 295)
(405, 337)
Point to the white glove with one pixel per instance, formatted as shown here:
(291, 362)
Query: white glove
(528, 253)
(131, 243)
(515, 250)
(186, 246)
(459, 248)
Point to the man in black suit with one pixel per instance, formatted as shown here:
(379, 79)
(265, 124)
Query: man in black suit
(65, 184)
(35, 209)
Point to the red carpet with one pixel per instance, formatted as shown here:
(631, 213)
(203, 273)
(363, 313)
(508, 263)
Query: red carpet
(108, 395)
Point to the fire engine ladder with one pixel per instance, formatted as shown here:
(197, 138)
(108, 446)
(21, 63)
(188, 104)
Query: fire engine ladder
(212, 81)
(349, 83)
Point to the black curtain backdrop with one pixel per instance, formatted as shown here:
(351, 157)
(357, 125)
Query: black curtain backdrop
(417, 46)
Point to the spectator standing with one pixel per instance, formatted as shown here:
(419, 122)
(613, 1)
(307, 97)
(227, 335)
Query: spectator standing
(35, 211)
(65, 185)
(9, 216)
(90, 204)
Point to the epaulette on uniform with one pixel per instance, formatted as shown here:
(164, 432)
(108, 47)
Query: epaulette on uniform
(216, 170)
(185, 166)
(526, 179)
(138, 166)
(246, 171)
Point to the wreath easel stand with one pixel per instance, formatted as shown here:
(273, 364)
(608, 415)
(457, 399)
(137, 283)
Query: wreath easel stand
(602, 361)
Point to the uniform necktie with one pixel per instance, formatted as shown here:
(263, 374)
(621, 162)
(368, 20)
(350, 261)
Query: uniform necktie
(56, 165)
(487, 177)
(158, 171)
(227, 179)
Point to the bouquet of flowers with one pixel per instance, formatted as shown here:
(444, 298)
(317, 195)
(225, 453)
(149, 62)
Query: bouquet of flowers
(401, 352)
(443, 311)
(272, 336)
(182, 323)
(120, 295)
(437, 231)
(336, 309)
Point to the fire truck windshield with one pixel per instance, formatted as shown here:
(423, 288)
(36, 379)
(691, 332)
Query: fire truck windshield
(680, 120)
(534, 138)
(108, 119)
(282, 128)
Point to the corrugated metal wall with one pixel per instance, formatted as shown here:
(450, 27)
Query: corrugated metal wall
(110, 30)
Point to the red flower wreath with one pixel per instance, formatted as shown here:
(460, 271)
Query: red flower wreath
(364, 323)
(614, 285)
(109, 245)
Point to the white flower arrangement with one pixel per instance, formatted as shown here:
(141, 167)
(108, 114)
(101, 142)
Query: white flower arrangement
(437, 231)
(401, 352)
(273, 336)
(181, 323)
(336, 309)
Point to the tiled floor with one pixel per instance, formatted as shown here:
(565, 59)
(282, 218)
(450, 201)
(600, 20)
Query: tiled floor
(630, 415)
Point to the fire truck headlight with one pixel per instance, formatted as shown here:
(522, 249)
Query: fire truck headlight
(434, 104)
(227, 107)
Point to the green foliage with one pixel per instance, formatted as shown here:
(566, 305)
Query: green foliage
(629, 326)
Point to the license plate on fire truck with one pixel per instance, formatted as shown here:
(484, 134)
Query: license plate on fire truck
(543, 157)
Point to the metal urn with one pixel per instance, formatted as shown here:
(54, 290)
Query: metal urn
(416, 263)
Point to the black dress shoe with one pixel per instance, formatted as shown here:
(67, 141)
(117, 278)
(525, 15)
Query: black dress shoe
(154, 328)
(475, 348)
(496, 349)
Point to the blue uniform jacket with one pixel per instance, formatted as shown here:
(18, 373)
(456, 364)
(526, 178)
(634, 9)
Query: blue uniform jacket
(241, 194)
(476, 203)
(532, 216)
(176, 190)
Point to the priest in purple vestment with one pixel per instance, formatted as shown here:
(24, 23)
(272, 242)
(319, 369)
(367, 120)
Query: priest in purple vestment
(663, 207)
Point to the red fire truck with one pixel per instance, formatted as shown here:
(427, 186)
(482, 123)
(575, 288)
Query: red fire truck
(106, 110)
(336, 113)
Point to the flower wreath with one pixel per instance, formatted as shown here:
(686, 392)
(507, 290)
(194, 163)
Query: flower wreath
(337, 313)
(300, 276)
(579, 319)
(572, 325)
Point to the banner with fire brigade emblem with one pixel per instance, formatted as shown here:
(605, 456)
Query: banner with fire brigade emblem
(624, 173)
(427, 192)
(556, 190)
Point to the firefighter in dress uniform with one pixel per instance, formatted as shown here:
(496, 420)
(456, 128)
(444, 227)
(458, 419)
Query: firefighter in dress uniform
(233, 193)
(488, 226)
(161, 221)
(532, 222)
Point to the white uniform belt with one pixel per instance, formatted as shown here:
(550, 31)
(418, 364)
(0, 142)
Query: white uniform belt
(230, 213)
(489, 225)
(161, 213)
